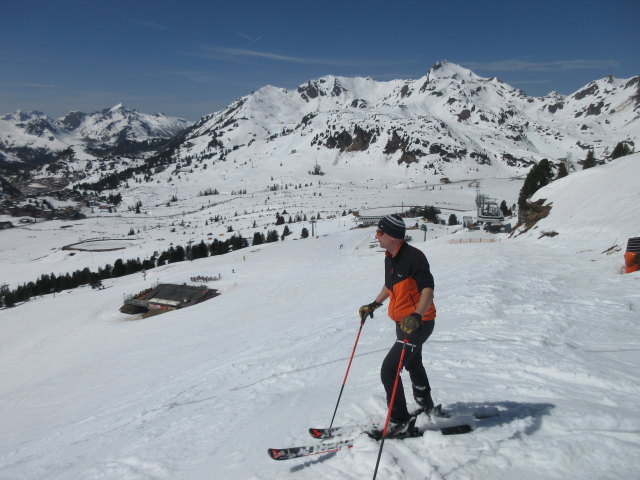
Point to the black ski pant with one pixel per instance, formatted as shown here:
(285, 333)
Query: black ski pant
(413, 365)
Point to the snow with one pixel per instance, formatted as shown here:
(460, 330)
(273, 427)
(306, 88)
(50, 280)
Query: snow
(544, 329)
(592, 225)
(78, 130)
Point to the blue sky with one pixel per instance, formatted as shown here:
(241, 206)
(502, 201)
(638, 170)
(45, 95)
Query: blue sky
(191, 58)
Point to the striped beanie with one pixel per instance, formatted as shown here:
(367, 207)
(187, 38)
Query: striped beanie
(393, 226)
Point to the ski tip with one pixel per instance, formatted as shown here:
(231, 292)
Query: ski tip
(456, 430)
(275, 453)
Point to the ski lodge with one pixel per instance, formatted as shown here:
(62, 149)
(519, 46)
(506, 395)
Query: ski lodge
(167, 296)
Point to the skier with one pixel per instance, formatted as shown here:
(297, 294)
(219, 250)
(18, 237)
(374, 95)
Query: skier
(409, 287)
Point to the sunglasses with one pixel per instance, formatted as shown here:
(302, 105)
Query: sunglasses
(379, 233)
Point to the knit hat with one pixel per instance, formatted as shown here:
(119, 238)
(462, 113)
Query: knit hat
(392, 225)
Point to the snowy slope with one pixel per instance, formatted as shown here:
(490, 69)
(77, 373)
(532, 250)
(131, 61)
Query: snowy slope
(543, 329)
(605, 192)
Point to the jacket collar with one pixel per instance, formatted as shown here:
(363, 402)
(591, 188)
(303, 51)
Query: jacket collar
(395, 253)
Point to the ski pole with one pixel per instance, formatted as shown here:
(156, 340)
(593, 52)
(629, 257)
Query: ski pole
(393, 398)
(344, 381)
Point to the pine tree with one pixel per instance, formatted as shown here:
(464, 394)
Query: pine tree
(545, 173)
(9, 299)
(431, 213)
(590, 161)
(504, 209)
(237, 242)
(132, 266)
(562, 171)
(258, 238)
(539, 176)
(176, 254)
(621, 150)
(118, 269)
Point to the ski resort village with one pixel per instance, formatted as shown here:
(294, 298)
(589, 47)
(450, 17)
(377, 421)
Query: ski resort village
(184, 300)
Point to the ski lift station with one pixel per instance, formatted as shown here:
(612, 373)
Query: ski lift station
(368, 220)
(490, 214)
(488, 210)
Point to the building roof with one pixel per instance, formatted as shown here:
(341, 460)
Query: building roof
(167, 293)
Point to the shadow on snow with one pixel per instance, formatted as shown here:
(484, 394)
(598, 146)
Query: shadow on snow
(496, 414)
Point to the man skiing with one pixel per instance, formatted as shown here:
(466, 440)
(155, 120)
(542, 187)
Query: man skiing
(409, 287)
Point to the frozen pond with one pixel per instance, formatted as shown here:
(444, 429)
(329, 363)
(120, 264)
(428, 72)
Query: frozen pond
(100, 245)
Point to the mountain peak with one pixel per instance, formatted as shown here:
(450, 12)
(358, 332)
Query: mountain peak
(24, 116)
(119, 108)
(447, 69)
(72, 120)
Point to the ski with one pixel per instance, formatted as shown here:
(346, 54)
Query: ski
(441, 421)
(375, 433)
(305, 451)
(446, 422)
(445, 425)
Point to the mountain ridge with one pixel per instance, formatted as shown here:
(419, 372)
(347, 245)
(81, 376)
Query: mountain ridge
(449, 114)
(446, 122)
(24, 135)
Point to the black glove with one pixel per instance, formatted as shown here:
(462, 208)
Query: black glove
(368, 310)
(411, 323)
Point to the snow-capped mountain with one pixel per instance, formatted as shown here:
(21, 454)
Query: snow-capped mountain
(26, 135)
(449, 123)
(449, 117)
(117, 123)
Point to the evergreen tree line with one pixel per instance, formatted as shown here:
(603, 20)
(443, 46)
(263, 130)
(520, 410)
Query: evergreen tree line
(272, 236)
(427, 212)
(56, 283)
(621, 149)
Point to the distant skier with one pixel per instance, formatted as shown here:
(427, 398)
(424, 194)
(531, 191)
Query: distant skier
(409, 286)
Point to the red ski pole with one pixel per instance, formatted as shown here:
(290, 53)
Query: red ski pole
(393, 398)
(344, 381)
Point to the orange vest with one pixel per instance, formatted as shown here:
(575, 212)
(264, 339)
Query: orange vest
(407, 273)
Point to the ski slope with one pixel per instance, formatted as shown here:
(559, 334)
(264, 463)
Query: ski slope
(544, 329)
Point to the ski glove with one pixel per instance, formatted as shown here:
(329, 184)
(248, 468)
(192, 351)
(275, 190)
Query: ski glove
(411, 324)
(368, 310)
